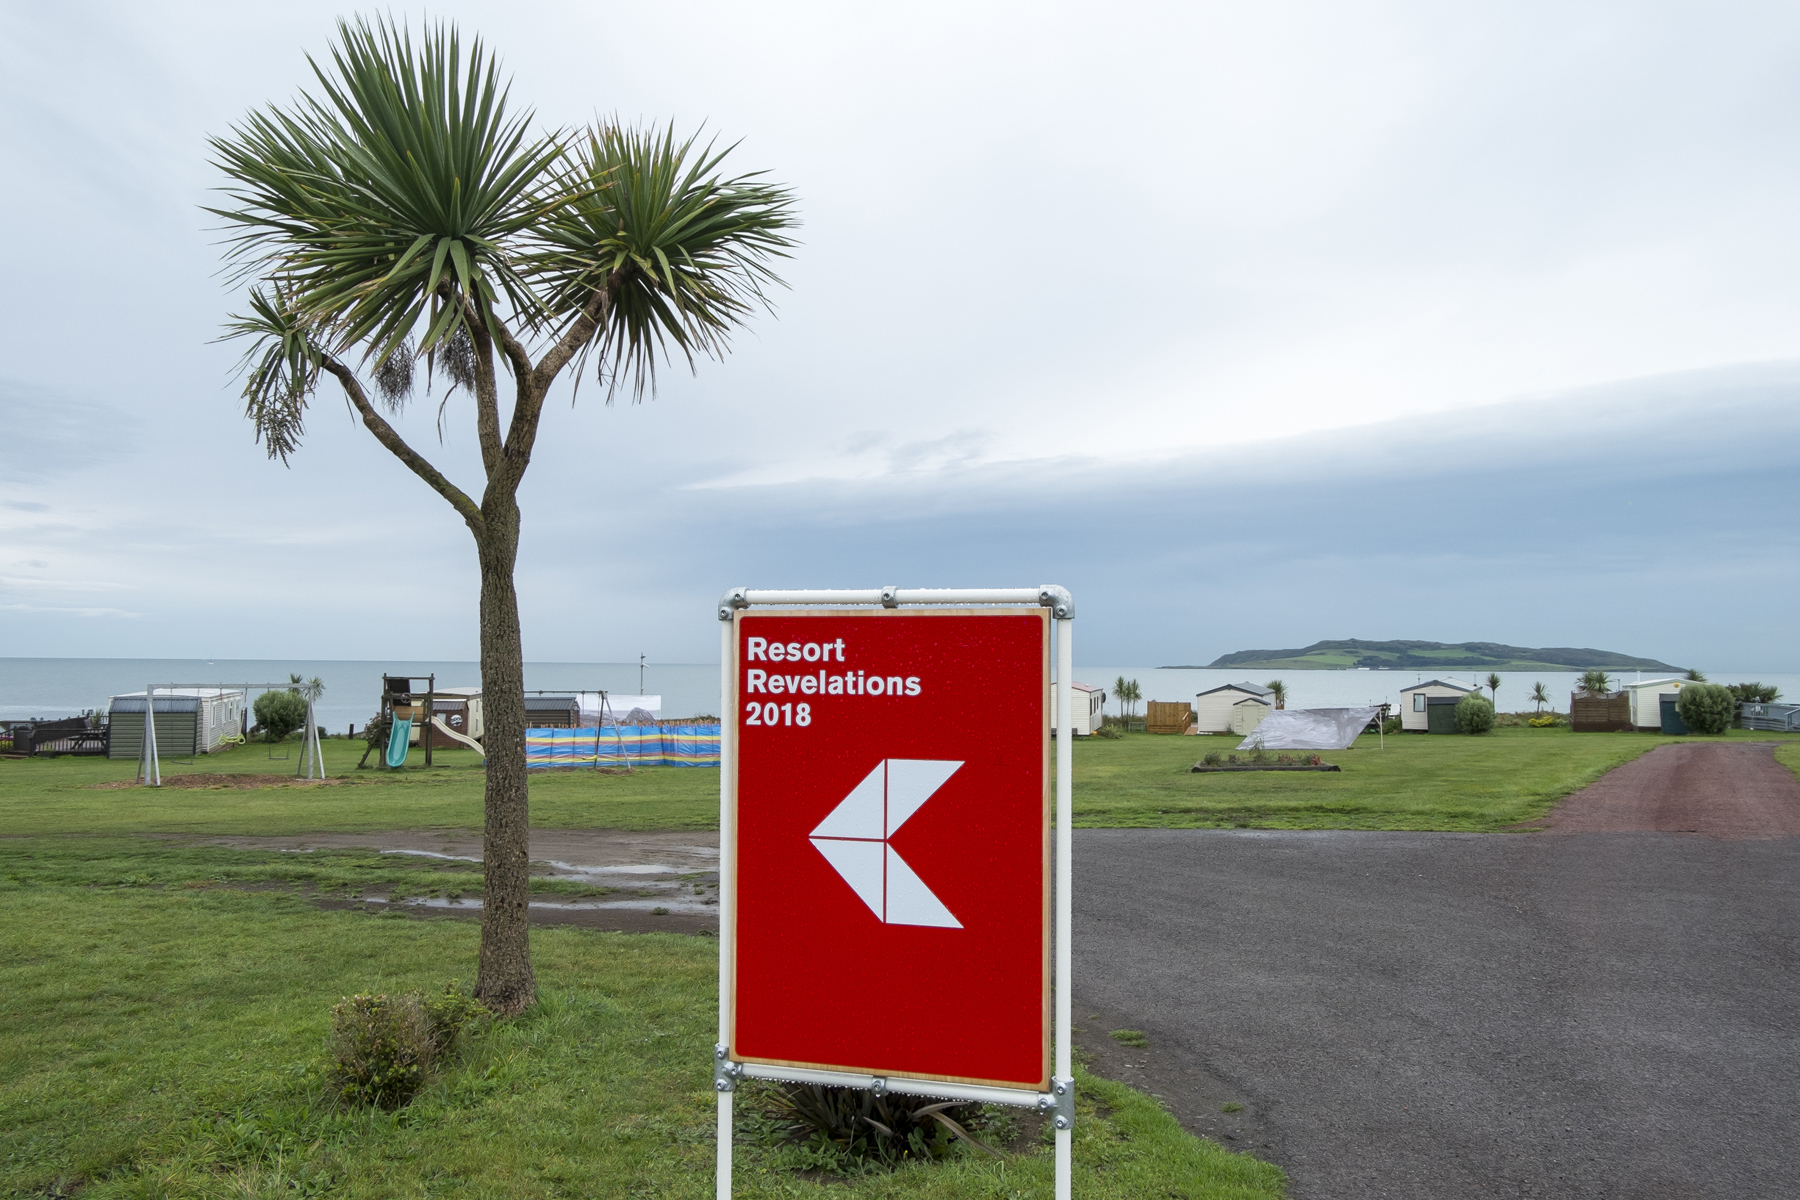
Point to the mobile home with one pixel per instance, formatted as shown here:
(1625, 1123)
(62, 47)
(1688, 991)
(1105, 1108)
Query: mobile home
(1646, 702)
(1415, 701)
(1087, 703)
(188, 721)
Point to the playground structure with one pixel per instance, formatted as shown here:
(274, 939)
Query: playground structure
(435, 716)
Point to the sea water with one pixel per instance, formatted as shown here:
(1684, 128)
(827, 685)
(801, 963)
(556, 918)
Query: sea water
(61, 687)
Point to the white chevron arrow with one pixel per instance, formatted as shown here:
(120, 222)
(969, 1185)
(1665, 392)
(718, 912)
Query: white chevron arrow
(853, 838)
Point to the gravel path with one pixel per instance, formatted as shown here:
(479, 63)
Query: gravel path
(1720, 789)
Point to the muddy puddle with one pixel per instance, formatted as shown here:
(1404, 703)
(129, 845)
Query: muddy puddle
(656, 881)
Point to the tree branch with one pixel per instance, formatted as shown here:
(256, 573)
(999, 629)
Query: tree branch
(387, 436)
(583, 328)
(535, 384)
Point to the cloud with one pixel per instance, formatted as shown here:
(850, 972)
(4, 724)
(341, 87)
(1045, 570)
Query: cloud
(1253, 324)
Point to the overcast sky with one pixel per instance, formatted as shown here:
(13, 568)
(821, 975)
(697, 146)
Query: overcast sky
(1252, 324)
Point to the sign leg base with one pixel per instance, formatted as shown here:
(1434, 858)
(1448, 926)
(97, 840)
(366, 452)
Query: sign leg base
(724, 1168)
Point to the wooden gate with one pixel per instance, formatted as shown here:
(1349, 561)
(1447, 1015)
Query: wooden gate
(1168, 716)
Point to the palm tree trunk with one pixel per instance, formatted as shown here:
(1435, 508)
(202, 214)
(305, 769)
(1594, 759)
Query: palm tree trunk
(504, 979)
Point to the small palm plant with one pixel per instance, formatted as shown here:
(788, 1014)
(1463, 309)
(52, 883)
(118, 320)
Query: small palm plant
(1279, 689)
(1596, 682)
(1696, 675)
(1540, 695)
(1127, 693)
(1493, 682)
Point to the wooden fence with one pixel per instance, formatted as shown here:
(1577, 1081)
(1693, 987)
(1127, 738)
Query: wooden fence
(1600, 714)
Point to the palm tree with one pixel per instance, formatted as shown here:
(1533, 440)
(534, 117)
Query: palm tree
(1126, 692)
(1280, 690)
(1696, 675)
(401, 214)
(1493, 682)
(1596, 682)
(1540, 695)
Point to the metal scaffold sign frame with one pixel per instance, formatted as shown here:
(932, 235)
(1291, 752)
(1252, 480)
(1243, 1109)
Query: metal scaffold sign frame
(815, 797)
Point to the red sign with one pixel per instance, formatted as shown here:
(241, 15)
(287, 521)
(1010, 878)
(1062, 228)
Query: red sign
(893, 835)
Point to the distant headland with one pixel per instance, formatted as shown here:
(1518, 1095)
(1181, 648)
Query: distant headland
(1430, 656)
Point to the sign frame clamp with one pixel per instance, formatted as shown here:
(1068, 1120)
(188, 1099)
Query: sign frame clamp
(1056, 1096)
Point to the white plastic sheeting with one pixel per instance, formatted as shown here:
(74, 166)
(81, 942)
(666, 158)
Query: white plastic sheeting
(1309, 729)
(617, 706)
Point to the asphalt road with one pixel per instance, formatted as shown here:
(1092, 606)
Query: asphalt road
(1438, 1016)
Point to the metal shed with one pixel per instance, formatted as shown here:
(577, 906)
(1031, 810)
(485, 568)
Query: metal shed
(552, 712)
(1248, 713)
(189, 721)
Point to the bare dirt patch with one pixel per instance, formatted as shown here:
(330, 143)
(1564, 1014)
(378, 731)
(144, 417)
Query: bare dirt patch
(238, 782)
(1724, 790)
(660, 881)
(578, 850)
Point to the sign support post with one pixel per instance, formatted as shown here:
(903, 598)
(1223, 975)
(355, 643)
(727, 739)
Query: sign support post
(723, 1082)
(1058, 1101)
(1065, 877)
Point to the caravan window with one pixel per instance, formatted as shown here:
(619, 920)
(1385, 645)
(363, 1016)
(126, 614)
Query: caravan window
(1418, 701)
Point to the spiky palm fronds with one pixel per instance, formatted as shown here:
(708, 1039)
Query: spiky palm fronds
(684, 250)
(396, 198)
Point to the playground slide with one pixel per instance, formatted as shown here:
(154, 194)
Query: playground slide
(398, 737)
(471, 743)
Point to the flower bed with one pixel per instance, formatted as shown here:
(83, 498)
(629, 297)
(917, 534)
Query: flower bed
(1260, 760)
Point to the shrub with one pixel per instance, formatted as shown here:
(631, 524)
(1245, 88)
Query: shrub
(1542, 721)
(1754, 693)
(848, 1130)
(1474, 714)
(384, 1047)
(279, 713)
(1392, 725)
(1706, 707)
(1213, 758)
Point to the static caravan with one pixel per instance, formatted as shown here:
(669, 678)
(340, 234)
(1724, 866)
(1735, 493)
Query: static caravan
(1646, 702)
(1213, 708)
(1415, 701)
(460, 704)
(188, 721)
(1088, 701)
(457, 708)
(1247, 714)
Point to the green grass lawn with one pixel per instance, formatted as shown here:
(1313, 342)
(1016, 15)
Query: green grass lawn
(1789, 754)
(1470, 784)
(167, 1042)
(162, 1020)
(1416, 782)
(59, 795)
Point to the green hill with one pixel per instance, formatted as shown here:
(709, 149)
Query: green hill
(1431, 656)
